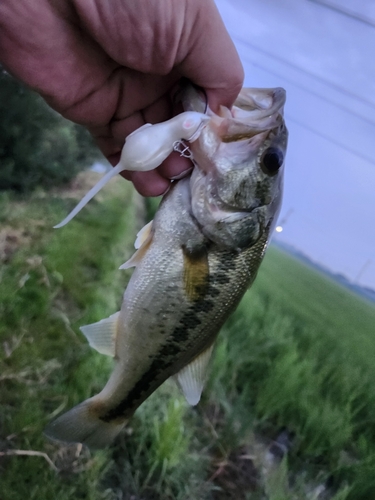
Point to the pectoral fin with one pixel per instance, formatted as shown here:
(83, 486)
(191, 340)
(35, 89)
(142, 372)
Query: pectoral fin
(102, 335)
(192, 377)
(143, 235)
(196, 273)
(142, 243)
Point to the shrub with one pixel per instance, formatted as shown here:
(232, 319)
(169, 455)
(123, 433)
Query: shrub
(38, 147)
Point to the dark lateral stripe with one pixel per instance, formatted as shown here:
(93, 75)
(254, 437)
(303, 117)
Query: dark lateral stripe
(165, 358)
(143, 385)
(176, 342)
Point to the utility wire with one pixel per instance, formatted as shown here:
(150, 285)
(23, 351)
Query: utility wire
(306, 89)
(367, 159)
(313, 75)
(345, 12)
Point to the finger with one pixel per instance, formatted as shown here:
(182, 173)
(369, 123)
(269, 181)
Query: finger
(161, 35)
(159, 110)
(209, 57)
(152, 111)
(144, 35)
(111, 138)
(124, 93)
(175, 166)
(149, 183)
(110, 146)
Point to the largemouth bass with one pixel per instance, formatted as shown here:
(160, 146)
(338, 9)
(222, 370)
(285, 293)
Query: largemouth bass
(193, 264)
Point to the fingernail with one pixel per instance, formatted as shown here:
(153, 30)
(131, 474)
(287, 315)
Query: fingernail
(182, 174)
(166, 191)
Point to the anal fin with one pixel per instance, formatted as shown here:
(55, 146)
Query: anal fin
(192, 377)
(102, 335)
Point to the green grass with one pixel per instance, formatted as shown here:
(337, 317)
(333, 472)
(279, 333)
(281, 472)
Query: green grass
(55, 281)
(298, 355)
(309, 367)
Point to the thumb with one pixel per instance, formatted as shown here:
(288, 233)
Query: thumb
(209, 57)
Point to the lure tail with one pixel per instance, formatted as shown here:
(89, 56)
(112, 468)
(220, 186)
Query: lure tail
(93, 191)
(82, 424)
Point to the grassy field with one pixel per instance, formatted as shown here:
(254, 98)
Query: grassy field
(288, 411)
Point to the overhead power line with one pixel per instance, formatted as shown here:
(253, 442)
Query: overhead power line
(332, 85)
(342, 90)
(368, 159)
(312, 92)
(346, 12)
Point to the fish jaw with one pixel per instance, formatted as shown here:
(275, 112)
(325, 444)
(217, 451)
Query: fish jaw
(239, 160)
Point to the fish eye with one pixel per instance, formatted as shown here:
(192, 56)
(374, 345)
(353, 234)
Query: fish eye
(271, 161)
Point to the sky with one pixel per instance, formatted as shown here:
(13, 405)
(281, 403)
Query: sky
(321, 52)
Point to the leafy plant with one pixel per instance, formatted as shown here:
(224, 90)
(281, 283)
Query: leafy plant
(38, 147)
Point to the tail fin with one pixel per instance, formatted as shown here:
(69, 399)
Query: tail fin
(82, 425)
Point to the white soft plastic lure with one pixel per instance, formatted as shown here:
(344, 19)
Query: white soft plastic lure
(146, 148)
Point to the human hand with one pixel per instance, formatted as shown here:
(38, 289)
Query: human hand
(110, 66)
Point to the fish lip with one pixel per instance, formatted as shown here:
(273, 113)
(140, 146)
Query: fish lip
(197, 133)
(261, 102)
(280, 95)
(279, 99)
(277, 105)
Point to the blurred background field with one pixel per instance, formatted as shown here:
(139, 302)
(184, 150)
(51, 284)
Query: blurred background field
(288, 408)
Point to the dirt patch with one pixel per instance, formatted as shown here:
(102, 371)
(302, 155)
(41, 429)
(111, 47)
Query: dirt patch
(236, 477)
(72, 459)
(10, 240)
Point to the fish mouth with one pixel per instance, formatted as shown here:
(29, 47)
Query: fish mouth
(255, 111)
(259, 102)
